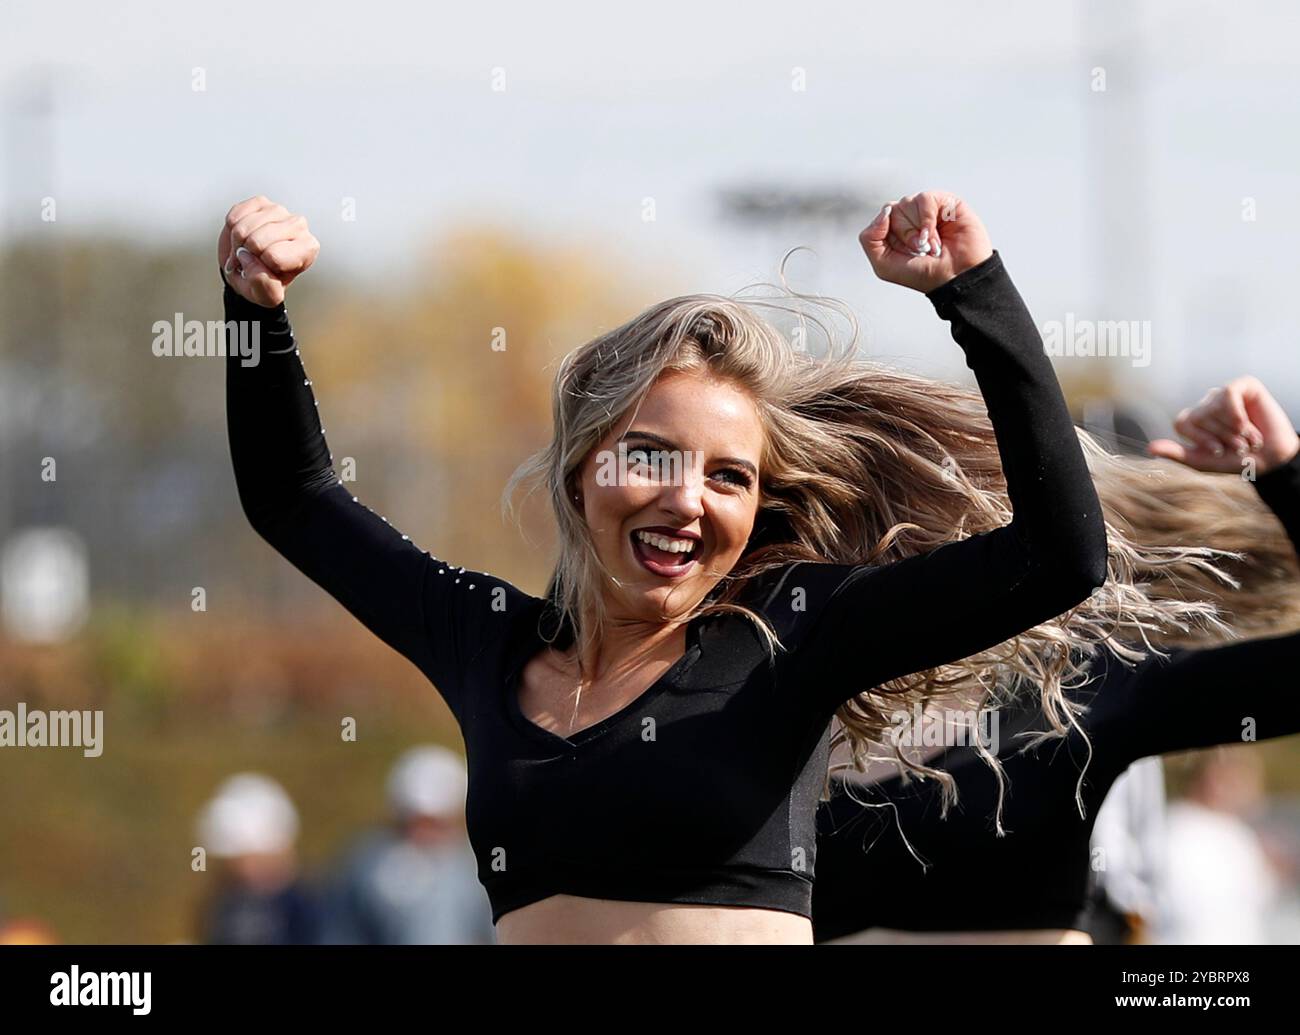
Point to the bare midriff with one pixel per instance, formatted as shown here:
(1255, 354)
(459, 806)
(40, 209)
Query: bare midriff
(888, 936)
(571, 920)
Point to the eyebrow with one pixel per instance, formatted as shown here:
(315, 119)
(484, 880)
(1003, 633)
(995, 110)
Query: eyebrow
(670, 445)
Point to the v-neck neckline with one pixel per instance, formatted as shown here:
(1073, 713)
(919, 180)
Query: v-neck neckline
(511, 688)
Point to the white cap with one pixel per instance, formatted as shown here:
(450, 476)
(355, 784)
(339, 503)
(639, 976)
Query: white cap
(250, 813)
(427, 781)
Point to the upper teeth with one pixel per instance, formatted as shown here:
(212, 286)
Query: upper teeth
(664, 543)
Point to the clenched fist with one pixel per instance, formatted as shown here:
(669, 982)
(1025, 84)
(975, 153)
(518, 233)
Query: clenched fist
(924, 240)
(1229, 422)
(262, 248)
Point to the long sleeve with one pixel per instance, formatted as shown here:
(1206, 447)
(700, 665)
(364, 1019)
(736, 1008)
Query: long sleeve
(1224, 695)
(437, 616)
(880, 622)
(1280, 489)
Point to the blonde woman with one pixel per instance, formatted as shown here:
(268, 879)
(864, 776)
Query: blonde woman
(984, 873)
(752, 540)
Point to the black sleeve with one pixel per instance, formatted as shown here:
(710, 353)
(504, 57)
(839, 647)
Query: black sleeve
(882, 622)
(1223, 695)
(1280, 489)
(1199, 698)
(439, 617)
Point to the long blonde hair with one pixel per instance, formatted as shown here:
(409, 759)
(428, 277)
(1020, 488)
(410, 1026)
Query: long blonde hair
(865, 464)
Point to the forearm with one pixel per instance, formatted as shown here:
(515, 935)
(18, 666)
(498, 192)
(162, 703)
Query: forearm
(1280, 490)
(1056, 513)
(294, 500)
(970, 595)
(277, 444)
(1201, 698)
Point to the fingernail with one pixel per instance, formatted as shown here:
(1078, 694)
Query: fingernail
(888, 209)
(925, 234)
(937, 247)
(243, 254)
(230, 263)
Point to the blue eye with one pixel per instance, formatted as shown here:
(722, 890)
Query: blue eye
(738, 477)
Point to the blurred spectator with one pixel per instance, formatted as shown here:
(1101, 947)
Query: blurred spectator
(416, 881)
(251, 826)
(1220, 883)
(1128, 846)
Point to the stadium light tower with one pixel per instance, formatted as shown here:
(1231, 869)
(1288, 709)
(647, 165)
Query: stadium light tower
(784, 216)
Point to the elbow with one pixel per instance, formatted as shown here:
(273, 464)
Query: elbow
(258, 519)
(273, 512)
(1084, 566)
(1088, 576)
(1068, 566)
(258, 511)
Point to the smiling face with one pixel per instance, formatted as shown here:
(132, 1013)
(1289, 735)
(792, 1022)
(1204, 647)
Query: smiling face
(671, 494)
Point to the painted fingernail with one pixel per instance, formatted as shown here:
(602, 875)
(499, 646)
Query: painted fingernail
(937, 247)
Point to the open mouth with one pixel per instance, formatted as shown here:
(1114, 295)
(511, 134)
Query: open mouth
(664, 555)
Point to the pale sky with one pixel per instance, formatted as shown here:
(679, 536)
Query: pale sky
(1124, 203)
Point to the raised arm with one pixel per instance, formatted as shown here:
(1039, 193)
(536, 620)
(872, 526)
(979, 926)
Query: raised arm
(1244, 691)
(437, 616)
(882, 622)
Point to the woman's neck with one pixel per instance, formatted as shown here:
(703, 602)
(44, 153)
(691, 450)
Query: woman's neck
(628, 643)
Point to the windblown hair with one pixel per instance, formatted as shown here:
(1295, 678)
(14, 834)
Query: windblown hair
(865, 464)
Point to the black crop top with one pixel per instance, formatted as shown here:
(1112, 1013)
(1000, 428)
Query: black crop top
(1036, 877)
(704, 789)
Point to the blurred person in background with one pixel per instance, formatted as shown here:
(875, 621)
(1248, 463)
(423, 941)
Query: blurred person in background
(1128, 857)
(415, 882)
(1220, 883)
(251, 827)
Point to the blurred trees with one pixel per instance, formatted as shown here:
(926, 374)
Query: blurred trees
(408, 381)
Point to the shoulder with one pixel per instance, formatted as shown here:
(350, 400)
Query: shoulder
(467, 577)
(476, 593)
(794, 595)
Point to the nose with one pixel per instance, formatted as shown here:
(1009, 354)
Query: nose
(683, 497)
